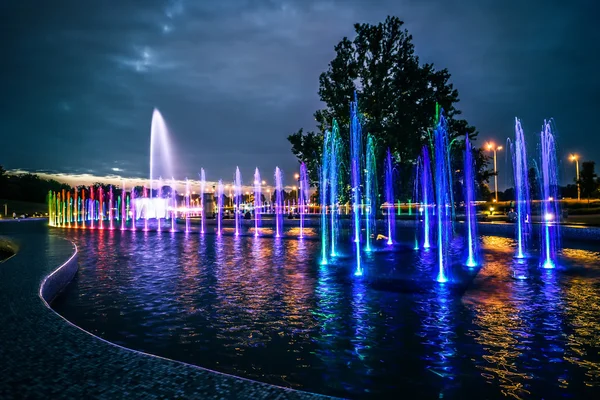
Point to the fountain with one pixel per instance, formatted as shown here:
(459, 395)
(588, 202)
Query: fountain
(426, 195)
(470, 212)
(332, 163)
(355, 168)
(123, 212)
(257, 201)
(237, 193)
(159, 147)
(323, 187)
(522, 200)
(202, 191)
(187, 205)
(278, 203)
(443, 187)
(219, 206)
(98, 207)
(389, 197)
(549, 190)
(370, 191)
(173, 205)
(110, 208)
(304, 196)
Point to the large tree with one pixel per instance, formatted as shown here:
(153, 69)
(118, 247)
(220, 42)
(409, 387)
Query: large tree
(397, 97)
(587, 179)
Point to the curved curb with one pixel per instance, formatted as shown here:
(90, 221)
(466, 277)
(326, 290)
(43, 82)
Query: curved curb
(54, 283)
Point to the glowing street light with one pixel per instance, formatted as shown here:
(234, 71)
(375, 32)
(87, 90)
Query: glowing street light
(575, 157)
(492, 147)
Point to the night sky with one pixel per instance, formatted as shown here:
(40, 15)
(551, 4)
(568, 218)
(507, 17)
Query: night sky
(80, 79)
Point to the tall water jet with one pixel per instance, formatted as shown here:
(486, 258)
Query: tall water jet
(257, 201)
(426, 195)
(549, 190)
(522, 197)
(332, 165)
(159, 149)
(219, 206)
(355, 167)
(237, 193)
(202, 190)
(323, 191)
(304, 195)
(443, 187)
(389, 196)
(278, 203)
(470, 218)
(370, 191)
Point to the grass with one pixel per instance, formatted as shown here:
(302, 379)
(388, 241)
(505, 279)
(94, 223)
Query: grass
(21, 207)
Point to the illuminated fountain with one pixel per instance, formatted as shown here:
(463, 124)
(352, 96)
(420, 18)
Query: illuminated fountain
(257, 201)
(237, 193)
(470, 211)
(278, 203)
(443, 187)
(550, 206)
(426, 197)
(370, 192)
(202, 191)
(522, 198)
(219, 206)
(389, 197)
(304, 196)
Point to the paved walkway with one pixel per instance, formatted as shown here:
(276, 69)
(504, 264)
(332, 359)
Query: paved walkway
(44, 356)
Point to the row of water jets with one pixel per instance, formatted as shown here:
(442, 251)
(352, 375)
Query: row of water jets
(102, 209)
(433, 194)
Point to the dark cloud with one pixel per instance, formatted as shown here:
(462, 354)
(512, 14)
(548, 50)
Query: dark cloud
(233, 78)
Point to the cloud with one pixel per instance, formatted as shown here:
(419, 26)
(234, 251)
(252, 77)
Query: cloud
(234, 78)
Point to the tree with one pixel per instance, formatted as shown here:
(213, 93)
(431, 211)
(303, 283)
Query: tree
(587, 179)
(397, 97)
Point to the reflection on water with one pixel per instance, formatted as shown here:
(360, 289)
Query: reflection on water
(265, 309)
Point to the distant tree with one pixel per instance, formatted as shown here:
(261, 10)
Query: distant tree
(397, 96)
(507, 195)
(532, 180)
(587, 179)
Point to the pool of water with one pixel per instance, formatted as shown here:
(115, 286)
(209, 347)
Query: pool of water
(265, 309)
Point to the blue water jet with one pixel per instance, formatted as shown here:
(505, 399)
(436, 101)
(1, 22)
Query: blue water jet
(389, 196)
(550, 206)
(443, 188)
(356, 171)
(426, 195)
(522, 196)
(470, 212)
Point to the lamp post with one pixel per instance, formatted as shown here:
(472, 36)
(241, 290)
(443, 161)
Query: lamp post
(575, 157)
(492, 147)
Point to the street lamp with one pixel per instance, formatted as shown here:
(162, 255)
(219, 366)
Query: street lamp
(575, 157)
(492, 147)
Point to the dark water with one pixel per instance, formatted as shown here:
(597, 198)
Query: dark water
(265, 309)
